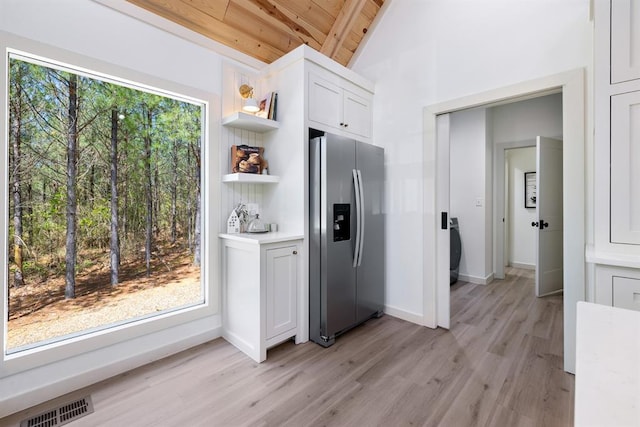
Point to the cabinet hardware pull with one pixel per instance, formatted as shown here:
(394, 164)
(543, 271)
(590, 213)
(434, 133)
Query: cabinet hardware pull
(341, 124)
(295, 252)
(346, 125)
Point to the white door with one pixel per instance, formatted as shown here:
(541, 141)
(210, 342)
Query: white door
(549, 261)
(442, 207)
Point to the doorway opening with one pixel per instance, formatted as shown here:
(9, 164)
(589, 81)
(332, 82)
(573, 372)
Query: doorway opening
(488, 199)
(437, 125)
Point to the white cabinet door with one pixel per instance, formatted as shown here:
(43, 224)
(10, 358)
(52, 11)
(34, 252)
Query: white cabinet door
(338, 108)
(625, 168)
(625, 40)
(325, 102)
(281, 290)
(357, 114)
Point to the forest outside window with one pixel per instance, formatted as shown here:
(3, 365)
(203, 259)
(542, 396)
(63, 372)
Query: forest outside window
(104, 203)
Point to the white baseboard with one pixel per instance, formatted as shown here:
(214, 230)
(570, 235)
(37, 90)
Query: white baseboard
(522, 265)
(404, 315)
(476, 280)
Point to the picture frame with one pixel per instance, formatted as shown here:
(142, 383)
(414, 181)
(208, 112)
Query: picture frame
(530, 190)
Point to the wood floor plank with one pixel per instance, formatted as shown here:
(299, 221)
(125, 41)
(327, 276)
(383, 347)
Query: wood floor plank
(499, 365)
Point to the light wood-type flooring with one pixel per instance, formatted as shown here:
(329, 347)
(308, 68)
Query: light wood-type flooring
(499, 365)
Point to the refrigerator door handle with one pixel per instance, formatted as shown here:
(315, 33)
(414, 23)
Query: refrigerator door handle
(361, 217)
(356, 187)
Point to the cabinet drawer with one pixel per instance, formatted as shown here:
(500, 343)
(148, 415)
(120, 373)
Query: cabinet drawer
(626, 293)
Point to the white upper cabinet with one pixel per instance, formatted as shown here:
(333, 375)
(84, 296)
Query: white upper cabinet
(325, 102)
(625, 168)
(357, 114)
(617, 126)
(625, 40)
(337, 107)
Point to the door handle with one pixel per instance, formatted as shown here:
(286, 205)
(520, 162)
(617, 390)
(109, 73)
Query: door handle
(362, 212)
(356, 189)
(542, 224)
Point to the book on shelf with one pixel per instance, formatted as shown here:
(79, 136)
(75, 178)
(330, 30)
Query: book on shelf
(267, 106)
(273, 106)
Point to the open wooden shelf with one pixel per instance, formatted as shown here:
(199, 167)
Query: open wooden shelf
(250, 122)
(250, 178)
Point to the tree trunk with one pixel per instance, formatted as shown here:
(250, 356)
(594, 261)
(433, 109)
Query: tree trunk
(92, 185)
(114, 240)
(125, 193)
(197, 230)
(148, 192)
(174, 192)
(189, 209)
(16, 132)
(72, 173)
(156, 199)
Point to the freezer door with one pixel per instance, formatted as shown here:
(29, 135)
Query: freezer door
(337, 254)
(332, 278)
(371, 272)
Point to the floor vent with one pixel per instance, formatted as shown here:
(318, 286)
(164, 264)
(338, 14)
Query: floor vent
(61, 415)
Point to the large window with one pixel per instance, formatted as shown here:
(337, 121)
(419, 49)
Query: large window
(104, 209)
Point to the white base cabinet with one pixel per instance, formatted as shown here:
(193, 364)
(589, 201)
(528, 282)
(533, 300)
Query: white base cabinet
(260, 280)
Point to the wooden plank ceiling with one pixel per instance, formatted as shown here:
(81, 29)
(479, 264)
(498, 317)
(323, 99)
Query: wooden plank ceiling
(268, 29)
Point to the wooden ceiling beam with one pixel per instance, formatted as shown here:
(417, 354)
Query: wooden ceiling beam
(341, 27)
(286, 20)
(261, 26)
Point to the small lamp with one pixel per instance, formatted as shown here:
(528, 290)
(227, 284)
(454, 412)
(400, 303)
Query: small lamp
(249, 105)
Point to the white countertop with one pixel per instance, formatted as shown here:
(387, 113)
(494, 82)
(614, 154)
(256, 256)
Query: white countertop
(607, 366)
(262, 238)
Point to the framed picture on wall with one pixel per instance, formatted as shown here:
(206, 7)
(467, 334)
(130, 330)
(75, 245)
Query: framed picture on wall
(530, 190)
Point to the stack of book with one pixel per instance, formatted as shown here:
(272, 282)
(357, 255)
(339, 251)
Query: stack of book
(268, 105)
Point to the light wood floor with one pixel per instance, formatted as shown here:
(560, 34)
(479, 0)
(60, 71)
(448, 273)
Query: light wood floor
(499, 365)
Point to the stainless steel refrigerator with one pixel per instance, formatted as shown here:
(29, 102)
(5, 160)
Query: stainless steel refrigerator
(346, 245)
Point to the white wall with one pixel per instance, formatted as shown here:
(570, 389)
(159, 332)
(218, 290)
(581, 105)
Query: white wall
(468, 178)
(524, 120)
(423, 52)
(90, 29)
(521, 236)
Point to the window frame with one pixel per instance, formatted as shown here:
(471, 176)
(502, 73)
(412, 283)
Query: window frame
(85, 342)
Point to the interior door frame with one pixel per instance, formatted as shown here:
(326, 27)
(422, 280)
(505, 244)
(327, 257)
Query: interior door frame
(499, 234)
(572, 85)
